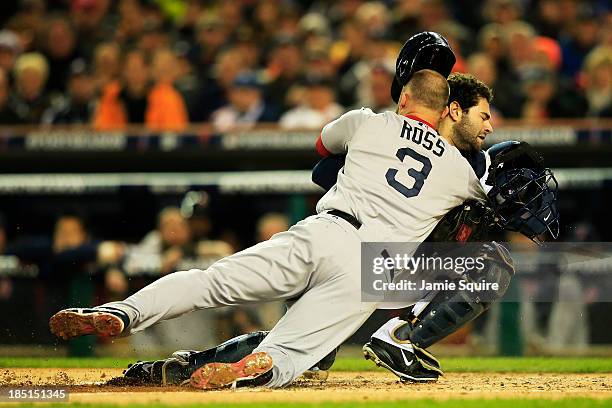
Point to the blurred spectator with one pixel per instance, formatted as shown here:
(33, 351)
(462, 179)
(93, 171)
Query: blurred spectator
(154, 37)
(131, 22)
(107, 62)
(70, 252)
(318, 62)
(547, 97)
(520, 37)
(597, 72)
(284, 69)
(502, 11)
(26, 27)
(9, 50)
(62, 260)
(174, 239)
(582, 38)
(166, 109)
(187, 82)
(60, 50)
(78, 105)
(88, 17)
(210, 38)
(350, 47)
(270, 224)
(548, 17)
(374, 92)
(492, 42)
(433, 13)
(319, 108)
(162, 249)
(7, 115)
(231, 13)
(246, 106)
(248, 48)
(506, 97)
(266, 19)
(406, 16)
(374, 17)
(29, 100)
(314, 30)
(568, 325)
(6, 285)
(126, 101)
(195, 207)
(378, 52)
(547, 53)
(214, 90)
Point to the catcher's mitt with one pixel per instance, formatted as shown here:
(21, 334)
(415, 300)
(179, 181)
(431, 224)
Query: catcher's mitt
(472, 221)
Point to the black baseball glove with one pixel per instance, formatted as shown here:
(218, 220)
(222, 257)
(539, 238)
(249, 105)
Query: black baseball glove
(472, 221)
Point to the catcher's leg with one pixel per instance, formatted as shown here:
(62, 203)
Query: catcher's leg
(176, 369)
(434, 319)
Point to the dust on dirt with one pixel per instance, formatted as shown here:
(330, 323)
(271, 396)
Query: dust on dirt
(90, 385)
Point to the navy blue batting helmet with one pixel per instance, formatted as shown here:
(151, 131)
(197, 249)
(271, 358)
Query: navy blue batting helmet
(524, 193)
(425, 50)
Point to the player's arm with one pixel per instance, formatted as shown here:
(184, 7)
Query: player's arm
(333, 144)
(325, 172)
(336, 136)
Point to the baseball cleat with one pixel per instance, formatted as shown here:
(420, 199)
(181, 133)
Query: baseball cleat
(220, 375)
(400, 362)
(103, 322)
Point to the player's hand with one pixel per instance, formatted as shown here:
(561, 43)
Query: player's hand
(116, 282)
(170, 259)
(110, 252)
(214, 248)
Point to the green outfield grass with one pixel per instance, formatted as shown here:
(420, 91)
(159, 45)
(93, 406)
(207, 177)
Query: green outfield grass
(412, 403)
(451, 364)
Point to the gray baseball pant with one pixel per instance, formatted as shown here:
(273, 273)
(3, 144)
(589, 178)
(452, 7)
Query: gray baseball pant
(316, 261)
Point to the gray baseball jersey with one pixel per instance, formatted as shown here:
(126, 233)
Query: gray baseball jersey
(399, 174)
(400, 178)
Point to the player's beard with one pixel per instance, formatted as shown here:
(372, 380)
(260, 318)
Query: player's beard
(465, 135)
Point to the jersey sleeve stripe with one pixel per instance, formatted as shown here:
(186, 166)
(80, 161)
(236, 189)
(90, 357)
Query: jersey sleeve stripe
(321, 149)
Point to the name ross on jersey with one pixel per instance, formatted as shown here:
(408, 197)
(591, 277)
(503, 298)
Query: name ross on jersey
(423, 137)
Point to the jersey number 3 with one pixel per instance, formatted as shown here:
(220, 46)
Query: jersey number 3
(418, 176)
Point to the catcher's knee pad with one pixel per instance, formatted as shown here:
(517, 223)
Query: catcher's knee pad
(450, 310)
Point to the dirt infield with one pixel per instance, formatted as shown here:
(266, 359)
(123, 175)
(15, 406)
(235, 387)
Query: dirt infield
(88, 386)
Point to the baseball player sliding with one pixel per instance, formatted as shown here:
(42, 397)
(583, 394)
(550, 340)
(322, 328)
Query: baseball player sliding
(391, 346)
(393, 187)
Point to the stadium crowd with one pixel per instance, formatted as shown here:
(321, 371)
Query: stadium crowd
(234, 63)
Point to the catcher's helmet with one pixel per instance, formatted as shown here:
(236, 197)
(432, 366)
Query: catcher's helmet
(524, 192)
(426, 50)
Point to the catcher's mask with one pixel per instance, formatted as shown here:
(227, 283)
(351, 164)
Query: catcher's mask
(524, 192)
(425, 50)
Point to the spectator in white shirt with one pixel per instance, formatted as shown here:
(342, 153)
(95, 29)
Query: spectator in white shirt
(246, 106)
(319, 106)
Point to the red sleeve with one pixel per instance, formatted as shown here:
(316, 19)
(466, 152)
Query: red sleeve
(321, 149)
